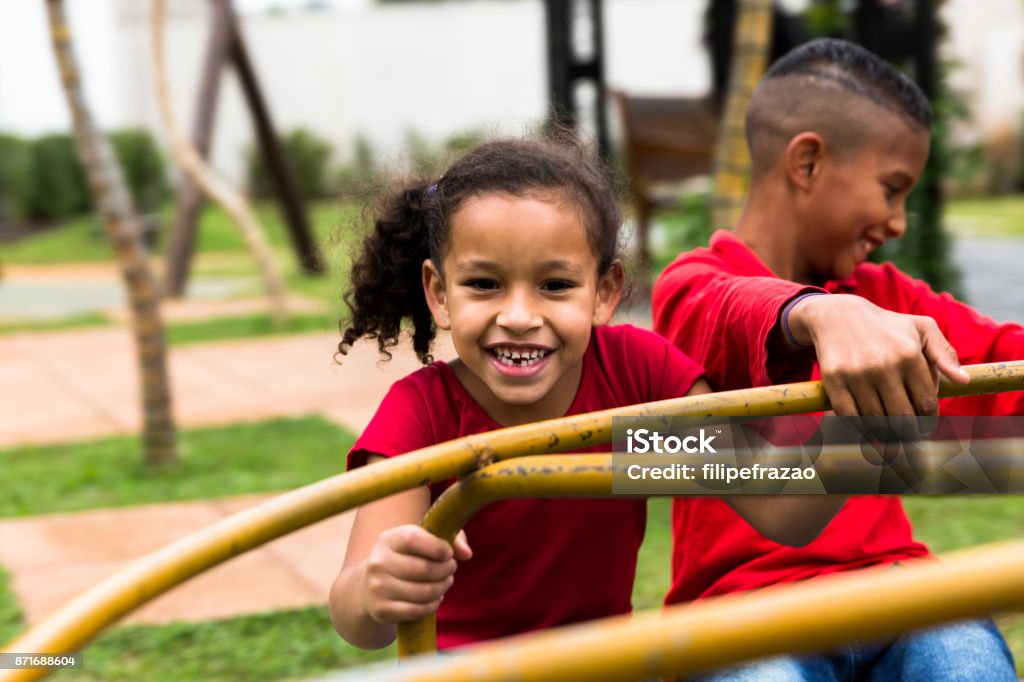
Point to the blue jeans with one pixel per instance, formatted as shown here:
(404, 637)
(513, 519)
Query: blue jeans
(972, 651)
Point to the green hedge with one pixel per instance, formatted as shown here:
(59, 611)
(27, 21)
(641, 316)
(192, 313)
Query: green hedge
(308, 155)
(144, 168)
(42, 179)
(57, 186)
(14, 178)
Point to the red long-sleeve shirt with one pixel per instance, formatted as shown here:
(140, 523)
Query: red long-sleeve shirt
(719, 305)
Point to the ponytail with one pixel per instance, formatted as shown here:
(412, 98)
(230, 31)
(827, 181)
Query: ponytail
(387, 284)
(387, 280)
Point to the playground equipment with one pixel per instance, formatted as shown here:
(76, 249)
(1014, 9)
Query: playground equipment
(687, 638)
(199, 172)
(74, 625)
(226, 46)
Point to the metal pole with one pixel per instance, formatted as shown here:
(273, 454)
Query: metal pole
(684, 639)
(190, 198)
(76, 623)
(277, 163)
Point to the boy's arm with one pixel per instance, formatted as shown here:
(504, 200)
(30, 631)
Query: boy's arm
(873, 361)
(792, 520)
(725, 322)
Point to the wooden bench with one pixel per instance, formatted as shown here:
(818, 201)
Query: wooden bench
(666, 141)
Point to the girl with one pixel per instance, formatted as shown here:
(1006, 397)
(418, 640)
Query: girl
(513, 251)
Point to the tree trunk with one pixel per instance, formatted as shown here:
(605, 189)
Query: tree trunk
(232, 201)
(125, 233)
(732, 159)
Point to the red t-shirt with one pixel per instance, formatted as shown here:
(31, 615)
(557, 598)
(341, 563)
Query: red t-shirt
(537, 563)
(719, 305)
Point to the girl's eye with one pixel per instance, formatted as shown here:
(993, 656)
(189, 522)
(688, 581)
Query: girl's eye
(890, 190)
(481, 284)
(557, 285)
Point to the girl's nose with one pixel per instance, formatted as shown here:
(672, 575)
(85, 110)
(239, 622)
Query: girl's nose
(518, 315)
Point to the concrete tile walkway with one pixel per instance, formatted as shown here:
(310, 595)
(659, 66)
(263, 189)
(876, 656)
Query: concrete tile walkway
(54, 558)
(67, 386)
(74, 385)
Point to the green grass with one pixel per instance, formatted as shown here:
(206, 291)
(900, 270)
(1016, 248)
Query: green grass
(11, 622)
(995, 216)
(214, 462)
(654, 565)
(220, 255)
(247, 326)
(73, 322)
(83, 239)
(274, 646)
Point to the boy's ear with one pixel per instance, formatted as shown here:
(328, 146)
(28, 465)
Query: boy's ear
(610, 286)
(437, 298)
(805, 154)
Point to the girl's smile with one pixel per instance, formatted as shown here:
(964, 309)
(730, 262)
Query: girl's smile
(520, 292)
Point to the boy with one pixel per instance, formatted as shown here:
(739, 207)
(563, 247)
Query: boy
(837, 139)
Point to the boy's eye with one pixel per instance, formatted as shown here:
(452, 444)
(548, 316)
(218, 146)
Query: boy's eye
(557, 285)
(891, 190)
(481, 284)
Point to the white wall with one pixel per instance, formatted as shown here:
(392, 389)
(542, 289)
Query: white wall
(31, 101)
(436, 68)
(986, 40)
(431, 68)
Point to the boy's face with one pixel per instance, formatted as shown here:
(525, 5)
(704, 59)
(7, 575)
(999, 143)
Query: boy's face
(858, 201)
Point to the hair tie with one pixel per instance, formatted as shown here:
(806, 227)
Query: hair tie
(432, 189)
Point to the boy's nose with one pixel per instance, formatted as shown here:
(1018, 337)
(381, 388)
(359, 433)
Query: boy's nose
(518, 315)
(896, 226)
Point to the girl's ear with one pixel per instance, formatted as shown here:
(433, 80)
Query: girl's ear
(437, 299)
(609, 292)
(805, 154)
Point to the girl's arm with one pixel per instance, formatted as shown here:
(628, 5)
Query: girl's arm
(792, 520)
(393, 571)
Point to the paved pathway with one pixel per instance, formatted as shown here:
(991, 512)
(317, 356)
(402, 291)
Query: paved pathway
(83, 384)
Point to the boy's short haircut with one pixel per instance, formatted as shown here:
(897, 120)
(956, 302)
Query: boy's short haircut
(832, 87)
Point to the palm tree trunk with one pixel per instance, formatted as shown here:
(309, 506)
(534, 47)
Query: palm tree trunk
(232, 201)
(125, 233)
(732, 159)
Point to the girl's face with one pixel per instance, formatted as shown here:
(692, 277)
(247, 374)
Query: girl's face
(520, 294)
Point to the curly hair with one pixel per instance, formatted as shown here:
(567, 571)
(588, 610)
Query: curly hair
(413, 225)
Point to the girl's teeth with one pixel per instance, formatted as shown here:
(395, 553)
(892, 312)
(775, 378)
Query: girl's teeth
(514, 358)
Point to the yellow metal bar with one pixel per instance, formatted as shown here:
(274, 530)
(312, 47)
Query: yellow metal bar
(73, 625)
(590, 475)
(518, 477)
(806, 617)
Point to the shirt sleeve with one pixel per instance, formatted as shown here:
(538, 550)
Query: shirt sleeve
(976, 338)
(678, 373)
(400, 425)
(725, 321)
